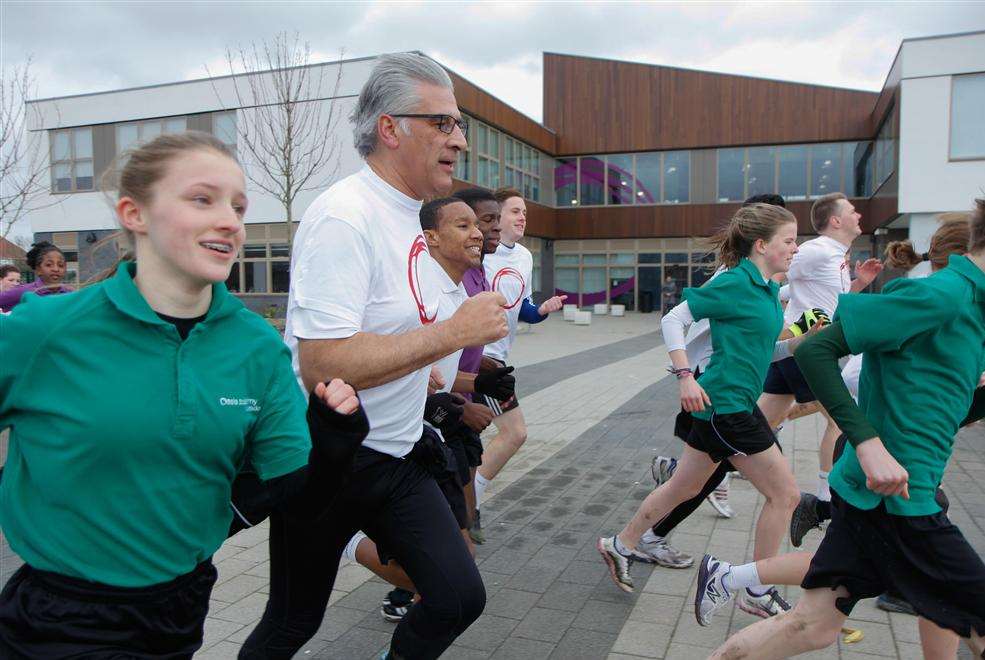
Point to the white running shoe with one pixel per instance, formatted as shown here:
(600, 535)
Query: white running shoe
(769, 604)
(662, 468)
(711, 594)
(662, 553)
(617, 562)
(718, 498)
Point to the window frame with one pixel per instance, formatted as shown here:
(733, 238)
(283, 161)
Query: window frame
(71, 161)
(950, 121)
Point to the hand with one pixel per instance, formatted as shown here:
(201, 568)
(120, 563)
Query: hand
(866, 272)
(498, 384)
(477, 416)
(338, 395)
(488, 364)
(480, 320)
(981, 379)
(551, 305)
(435, 380)
(693, 396)
(443, 409)
(883, 473)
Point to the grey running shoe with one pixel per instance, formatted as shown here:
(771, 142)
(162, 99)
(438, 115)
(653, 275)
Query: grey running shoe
(475, 531)
(662, 468)
(711, 594)
(718, 499)
(804, 519)
(662, 553)
(889, 603)
(396, 604)
(769, 604)
(617, 562)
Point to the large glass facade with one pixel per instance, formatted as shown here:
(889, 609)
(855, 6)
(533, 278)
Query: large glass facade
(731, 175)
(792, 181)
(676, 177)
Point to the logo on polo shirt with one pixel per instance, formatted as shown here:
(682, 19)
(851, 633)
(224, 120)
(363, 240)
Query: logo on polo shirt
(418, 247)
(509, 273)
(251, 405)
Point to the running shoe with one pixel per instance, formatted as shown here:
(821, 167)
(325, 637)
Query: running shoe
(711, 594)
(718, 499)
(662, 553)
(769, 604)
(396, 604)
(889, 603)
(804, 519)
(662, 468)
(617, 562)
(475, 531)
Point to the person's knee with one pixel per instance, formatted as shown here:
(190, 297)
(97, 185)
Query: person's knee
(816, 630)
(457, 608)
(785, 498)
(515, 437)
(681, 489)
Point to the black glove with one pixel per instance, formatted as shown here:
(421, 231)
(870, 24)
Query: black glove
(807, 321)
(444, 409)
(498, 384)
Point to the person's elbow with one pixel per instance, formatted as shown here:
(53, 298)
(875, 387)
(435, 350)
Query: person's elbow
(321, 360)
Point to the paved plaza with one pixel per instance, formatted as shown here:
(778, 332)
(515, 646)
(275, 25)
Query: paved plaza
(599, 406)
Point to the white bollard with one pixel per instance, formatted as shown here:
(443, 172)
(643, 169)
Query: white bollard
(583, 318)
(617, 310)
(569, 312)
(601, 309)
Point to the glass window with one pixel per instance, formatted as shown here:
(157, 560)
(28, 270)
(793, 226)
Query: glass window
(593, 281)
(619, 181)
(593, 259)
(280, 276)
(825, 170)
(83, 175)
(650, 257)
(625, 258)
(676, 258)
(793, 172)
(233, 282)
(566, 260)
(858, 168)
(256, 276)
(71, 159)
(255, 251)
(63, 177)
(83, 143)
(149, 130)
(592, 178)
(647, 178)
(224, 126)
(462, 170)
(731, 174)
(885, 150)
(62, 149)
(968, 116)
(761, 171)
(126, 136)
(508, 153)
(677, 177)
(175, 125)
(280, 250)
(482, 139)
(566, 279)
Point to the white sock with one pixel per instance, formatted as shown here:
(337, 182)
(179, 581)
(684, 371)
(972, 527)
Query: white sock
(650, 537)
(741, 577)
(480, 488)
(350, 548)
(823, 490)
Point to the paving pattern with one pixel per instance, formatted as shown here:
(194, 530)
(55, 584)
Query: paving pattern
(598, 407)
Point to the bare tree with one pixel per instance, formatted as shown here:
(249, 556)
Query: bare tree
(284, 132)
(25, 185)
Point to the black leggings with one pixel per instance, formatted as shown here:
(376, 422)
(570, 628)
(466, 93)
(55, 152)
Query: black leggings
(686, 508)
(397, 504)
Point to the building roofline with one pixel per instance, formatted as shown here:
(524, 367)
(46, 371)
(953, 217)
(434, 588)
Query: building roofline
(943, 36)
(195, 80)
(714, 73)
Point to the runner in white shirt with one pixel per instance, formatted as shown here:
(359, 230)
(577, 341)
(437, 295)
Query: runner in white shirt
(818, 275)
(509, 271)
(363, 306)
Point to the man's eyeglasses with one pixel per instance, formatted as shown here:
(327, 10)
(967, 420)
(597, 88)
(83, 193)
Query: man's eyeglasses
(446, 123)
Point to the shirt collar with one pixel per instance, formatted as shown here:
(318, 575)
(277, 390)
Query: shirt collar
(757, 277)
(964, 267)
(446, 283)
(123, 293)
(388, 191)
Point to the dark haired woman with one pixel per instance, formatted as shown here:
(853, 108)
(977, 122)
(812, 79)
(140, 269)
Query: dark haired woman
(48, 264)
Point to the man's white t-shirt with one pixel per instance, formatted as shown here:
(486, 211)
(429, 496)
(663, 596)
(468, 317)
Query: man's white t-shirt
(509, 271)
(360, 264)
(452, 297)
(818, 274)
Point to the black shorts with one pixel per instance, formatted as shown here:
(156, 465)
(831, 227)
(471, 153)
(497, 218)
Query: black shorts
(47, 615)
(924, 559)
(498, 407)
(439, 459)
(744, 433)
(784, 377)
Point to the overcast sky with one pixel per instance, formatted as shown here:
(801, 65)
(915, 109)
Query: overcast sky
(80, 47)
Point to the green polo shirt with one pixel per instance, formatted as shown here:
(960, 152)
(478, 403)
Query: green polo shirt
(125, 440)
(746, 318)
(924, 345)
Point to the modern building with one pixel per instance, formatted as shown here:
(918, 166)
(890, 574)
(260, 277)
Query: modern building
(632, 165)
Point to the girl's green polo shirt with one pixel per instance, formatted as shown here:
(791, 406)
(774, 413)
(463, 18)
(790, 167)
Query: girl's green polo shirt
(125, 440)
(924, 345)
(746, 319)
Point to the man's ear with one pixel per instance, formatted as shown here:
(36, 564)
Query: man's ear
(388, 132)
(431, 236)
(130, 216)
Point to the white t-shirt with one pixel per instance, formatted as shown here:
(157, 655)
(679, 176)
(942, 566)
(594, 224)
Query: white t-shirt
(452, 297)
(509, 271)
(697, 342)
(360, 264)
(818, 274)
